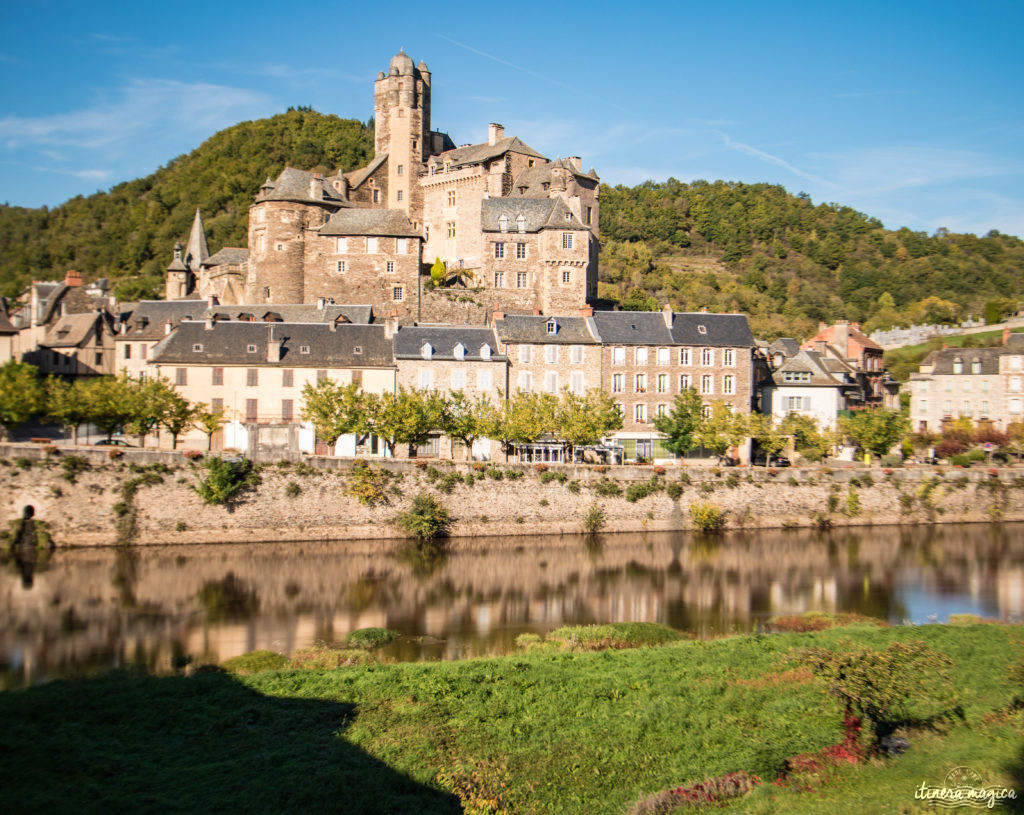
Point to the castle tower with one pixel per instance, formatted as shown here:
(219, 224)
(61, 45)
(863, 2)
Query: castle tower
(401, 109)
(179, 278)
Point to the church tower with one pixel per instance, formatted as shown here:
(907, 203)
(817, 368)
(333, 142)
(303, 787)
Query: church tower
(179, 278)
(401, 109)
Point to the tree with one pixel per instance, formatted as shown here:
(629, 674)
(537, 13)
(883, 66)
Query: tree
(767, 436)
(681, 423)
(722, 430)
(335, 409)
(178, 415)
(208, 421)
(406, 417)
(581, 420)
(438, 271)
(639, 300)
(66, 403)
(875, 430)
(110, 403)
(810, 442)
(467, 420)
(523, 418)
(149, 400)
(21, 395)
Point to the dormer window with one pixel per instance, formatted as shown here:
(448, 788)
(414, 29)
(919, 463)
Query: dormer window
(357, 350)
(303, 349)
(552, 327)
(958, 366)
(976, 366)
(485, 351)
(503, 223)
(521, 222)
(251, 349)
(702, 329)
(426, 350)
(568, 216)
(197, 348)
(459, 351)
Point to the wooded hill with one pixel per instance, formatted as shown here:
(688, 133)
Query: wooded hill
(728, 246)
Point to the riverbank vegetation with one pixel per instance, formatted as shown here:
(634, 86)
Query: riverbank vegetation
(569, 731)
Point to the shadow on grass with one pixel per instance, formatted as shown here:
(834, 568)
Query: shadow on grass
(206, 743)
(1015, 769)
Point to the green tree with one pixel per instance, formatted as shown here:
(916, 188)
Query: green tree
(875, 430)
(149, 400)
(438, 272)
(178, 416)
(66, 404)
(466, 419)
(809, 441)
(586, 419)
(110, 402)
(723, 429)
(639, 300)
(335, 409)
(523, 418)
(209, 421)
(767, 435)
(406, 417)
(681, 424)
(21, 395)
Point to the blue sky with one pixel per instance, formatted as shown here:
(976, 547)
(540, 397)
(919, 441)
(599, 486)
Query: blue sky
(909, 111)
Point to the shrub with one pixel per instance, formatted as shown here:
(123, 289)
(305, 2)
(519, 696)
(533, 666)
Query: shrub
(573, 487)
(659, 470)
(541, 467)
(606, 488)
(674, 490)
(367, 484)
(196, 455)
(732, 481)
(601, 468)
(292, 489)
(976, 455)
(613, 635)
(513, 475)
(867, 480)
(72, 466)
(255, 661)
(114, 454)
(370, 638)
(594, 519)
(23, 463)
(322, 658)
(634, 492)
(684, 478)
(960, 460)
(792, 481)
(426, 519)
(949, 447)
(446, 483)
(225, 479)
(496, 474)
(852, 504)
(707, 517)
(543, 502)
(180, 526)
(547, 477)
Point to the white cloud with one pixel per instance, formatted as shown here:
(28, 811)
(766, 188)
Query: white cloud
(768, 157)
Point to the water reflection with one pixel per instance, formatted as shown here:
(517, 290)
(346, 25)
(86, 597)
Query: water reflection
(161, 607)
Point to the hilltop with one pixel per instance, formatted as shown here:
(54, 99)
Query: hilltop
(755, 248)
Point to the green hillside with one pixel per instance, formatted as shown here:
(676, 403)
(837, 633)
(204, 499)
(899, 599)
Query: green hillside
(755, 248)
(127, 234)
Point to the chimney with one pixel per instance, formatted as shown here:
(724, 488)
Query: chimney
(124, 329)
(390, 323)
(822, 326)
(73, 278)
(841, 338)
(536, 312)
(208, 322)
(1006, 335)
(587, 311)
(273, 348)
(666, 312)
(577, 162)
(819, 346)
(315, 187)
(495, 133)
(167, 328)
(321, 302)
(497, 314)
(212, 301)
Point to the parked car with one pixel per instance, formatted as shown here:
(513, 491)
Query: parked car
(760, 460)
(112, 443)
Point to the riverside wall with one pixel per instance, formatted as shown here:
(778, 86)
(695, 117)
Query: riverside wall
(313, 500)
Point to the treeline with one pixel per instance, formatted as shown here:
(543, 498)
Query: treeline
(759, 249)
(128, 233)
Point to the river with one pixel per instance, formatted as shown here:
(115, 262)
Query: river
(156, 607)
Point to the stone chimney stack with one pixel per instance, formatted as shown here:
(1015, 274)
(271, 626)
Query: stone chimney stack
(587, 311)
(819, 346)
(577, 162)
(495, 133)
(497, 314)
(73, 278)
(315, 186)
(273, 347)
(666, 312)
(841, 338)
(208, 322)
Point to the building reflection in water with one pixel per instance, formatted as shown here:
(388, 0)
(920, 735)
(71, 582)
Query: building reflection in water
(158, 607)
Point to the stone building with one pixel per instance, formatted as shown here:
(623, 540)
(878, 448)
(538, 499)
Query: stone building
(512, 228)
(547, 354)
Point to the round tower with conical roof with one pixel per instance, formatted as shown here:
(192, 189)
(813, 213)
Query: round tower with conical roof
(401, 109)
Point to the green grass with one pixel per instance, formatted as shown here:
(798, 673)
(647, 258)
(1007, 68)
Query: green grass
(570, 731)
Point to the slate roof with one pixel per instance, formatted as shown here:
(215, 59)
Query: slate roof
(534, 178)
(988, 357)
(722, 330)
(408, 341)
(6, 327)
(787, 346)
(70, 330)
(535, 211)
(530, 328)
(76, 300)
(357, 177)
(380, 222)
(824, 372)
(479, 153)
(226, 343)
(294, 185)
(632, 328)
(228, 255)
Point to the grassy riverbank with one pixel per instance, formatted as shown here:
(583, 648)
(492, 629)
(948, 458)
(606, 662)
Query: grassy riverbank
(542, 731)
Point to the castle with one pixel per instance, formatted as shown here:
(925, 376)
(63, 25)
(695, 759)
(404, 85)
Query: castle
(514, 230)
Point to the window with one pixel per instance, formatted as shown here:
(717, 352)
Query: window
(948, 386)
(399, 170)
(287, 408)
(976, 366)
(401, 246)
(967, 386)
(503, 222)
(566, 276)
(451, 229)
(729, 357)
(252, 377)
(181, 376)
(521, 224)
(499, 280)
(371, 246)
(144, 350)
(499, 251)
(526, 354)
(966, 410)
(1015, 406)
(958, 366)
(984, 386)
(251, 411)
(922, 406)
(707, 384)
(303, 349)
(261, 242)
(617, 383)
(376, 196)
(399, 195)
(576, 354)
(398, 294)
(922, 386)
(342, 245)
(451, 198)
(619, 356)
(551, 382)
(796, 376)
(520, 251)
(458, 380)
(641, 356)
(947, 407)
(684, 356)
(250, 349)
(97, 358)
(707, 357)
(568, 216)
(426, 232)
(1015, 363)
(551, 354)
(287, 378)
(217, 376)
(684, 382)
(525, 381)
(640, 383)
(358, 349)
(520, 280)
(279, 247)
(127, 350)
(485, 351)
(729, 385)
(552, 326)
(640, 413)
(705, 411)
(590, 214)
(984, 409)
(216, 404)
(426, 379)
(798, 403)
(459, 351)
(663, 356)
(702, 329)
(389, 267)
(576, 382)
(341, 267)
(662, 411)
(662, 383)
(567, 240)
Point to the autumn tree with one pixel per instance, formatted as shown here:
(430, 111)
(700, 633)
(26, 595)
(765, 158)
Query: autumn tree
(767, 435)
(875, 430)
(208, 420)
(585, 419)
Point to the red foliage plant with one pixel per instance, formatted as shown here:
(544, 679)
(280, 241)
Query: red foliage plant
(711, 791)
(949, 447)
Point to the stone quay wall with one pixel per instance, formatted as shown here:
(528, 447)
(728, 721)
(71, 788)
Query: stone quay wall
(313, 500)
